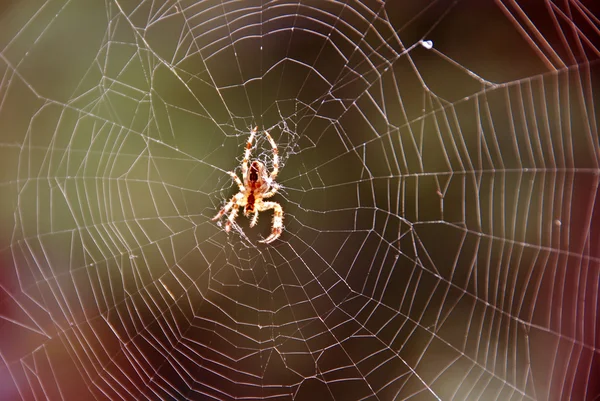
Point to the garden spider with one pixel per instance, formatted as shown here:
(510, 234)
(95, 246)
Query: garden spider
(257, 185)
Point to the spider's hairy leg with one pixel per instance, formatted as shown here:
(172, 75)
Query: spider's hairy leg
(232, 216)
(254, 218)
(237, 181)
(275, 156)
(247, 154)
(274, 188)
(277, 220)
(225, 208)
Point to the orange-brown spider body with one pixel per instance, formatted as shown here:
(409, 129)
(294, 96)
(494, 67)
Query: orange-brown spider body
(253, 183)
(257, 185)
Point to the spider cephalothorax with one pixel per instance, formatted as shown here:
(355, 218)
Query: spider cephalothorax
(257, 185)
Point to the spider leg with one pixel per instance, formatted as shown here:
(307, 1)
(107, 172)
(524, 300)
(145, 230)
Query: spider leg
(275, 156)
(277, 220)
(237, 181)
(232, 216)
(274, 188)
(254, 218)
(225, 208)
(247, 154)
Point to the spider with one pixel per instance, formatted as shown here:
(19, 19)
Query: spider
(257, 185)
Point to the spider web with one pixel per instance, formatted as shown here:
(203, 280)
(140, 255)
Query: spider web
(439, 179)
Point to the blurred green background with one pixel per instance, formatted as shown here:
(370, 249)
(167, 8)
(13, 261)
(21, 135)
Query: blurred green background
(440, 204)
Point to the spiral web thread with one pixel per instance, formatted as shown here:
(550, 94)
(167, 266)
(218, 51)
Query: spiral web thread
(439, 175)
